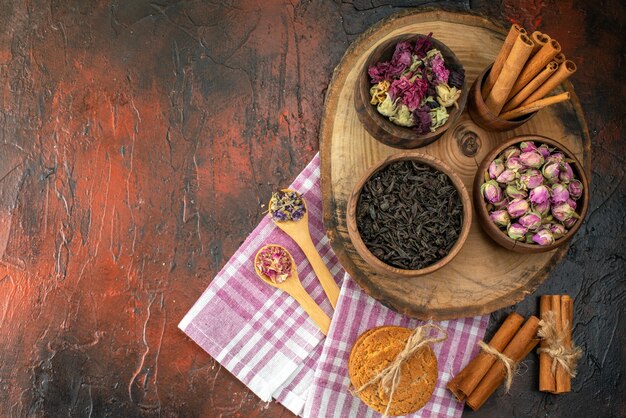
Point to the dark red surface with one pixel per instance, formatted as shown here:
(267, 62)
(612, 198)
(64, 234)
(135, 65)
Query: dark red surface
(139, 141)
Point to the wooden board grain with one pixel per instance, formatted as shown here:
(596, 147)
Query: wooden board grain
(483, 277)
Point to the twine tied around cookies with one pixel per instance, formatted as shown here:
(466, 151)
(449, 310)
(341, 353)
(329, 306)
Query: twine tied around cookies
(389, 377)
(556, 348)
(509, 364)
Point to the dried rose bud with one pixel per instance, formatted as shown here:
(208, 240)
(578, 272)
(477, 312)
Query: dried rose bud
(514, 163)
(501, 204)
(531, 159)
(565, 173)
(506, 176)
(539, 195)
(543, 237)
(557, 157)
(558, 230)
(575, 188)
(559, 193)
(531, 220)
(563, 211)
(491, 191)
(500, 217)
(496, 168)
(531, 178)
(544, 150)
(511, 152)
(572, 203)
(514, 193)
(570, 222)
(551, 172)
(517, 208)
(542, 208)
(516, 232)
(527, 146)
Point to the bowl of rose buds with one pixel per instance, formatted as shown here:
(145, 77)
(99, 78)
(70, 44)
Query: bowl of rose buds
(531, 194)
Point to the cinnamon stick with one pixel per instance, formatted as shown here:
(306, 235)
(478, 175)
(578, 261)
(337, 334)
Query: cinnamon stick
(559, 58)
(515, 101)
(498, 64)
(535, 106)
(522, 343)
(564, 71)
(511, 69)
(547, 381)
(464, 383)
(537, 63)
(563, 379)
(539, 40)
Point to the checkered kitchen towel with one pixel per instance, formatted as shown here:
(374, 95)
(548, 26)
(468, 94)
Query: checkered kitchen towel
(267, 341)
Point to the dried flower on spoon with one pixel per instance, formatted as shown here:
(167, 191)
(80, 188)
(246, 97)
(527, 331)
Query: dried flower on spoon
(286, 205)
(274, 262)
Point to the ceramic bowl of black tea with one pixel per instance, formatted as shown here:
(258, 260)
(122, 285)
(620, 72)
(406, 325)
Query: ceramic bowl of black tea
(409, 215)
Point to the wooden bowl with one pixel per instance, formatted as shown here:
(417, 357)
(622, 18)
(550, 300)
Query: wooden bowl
(483, 116)
(499, 235)
(353, 230)
(379, 126)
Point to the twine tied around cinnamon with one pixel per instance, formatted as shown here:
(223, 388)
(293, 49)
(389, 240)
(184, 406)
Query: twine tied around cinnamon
(509, 364)
(556, 348)
(389, 377)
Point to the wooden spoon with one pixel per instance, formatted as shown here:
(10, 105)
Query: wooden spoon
(294, 288)
(299, 232)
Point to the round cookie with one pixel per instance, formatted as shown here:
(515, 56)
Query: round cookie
(374, 350)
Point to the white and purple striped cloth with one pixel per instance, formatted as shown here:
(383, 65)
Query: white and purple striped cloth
(267, 341)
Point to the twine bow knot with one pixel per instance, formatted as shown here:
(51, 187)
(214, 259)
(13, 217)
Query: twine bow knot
(389, 377)
(509, 364)
(555, 347)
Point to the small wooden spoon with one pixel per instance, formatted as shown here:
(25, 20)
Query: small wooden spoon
(294, 288)
(299, 232)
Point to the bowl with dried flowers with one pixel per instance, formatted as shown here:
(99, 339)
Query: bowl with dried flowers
(410, 91)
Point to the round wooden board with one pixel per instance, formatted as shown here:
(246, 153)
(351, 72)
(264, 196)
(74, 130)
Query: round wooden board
(483, 277)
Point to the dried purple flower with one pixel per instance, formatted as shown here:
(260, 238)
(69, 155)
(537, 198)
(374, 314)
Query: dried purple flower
(569, 223)
(575, 188)
(558, 230)
(517, 231)
(514, 193)
(491, 191)
(514, 163)
(531, 159)
(563, 211)
(544, 237)
(550, 171)
(517, 207)
(422, 45)
(559, 193)
(414, 95)
(422, 119)
(531, 178)
(286, 206)
(542, 209)
(544, 150)
(527, 146)
(539, 195)
(495, 168)
(500, 217)
(511, 152)
(506, 176)
(457, 77)
(439, 69)
(565, 173)
(531, 220)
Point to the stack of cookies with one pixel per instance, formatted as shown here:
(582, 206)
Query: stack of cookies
(374, 350)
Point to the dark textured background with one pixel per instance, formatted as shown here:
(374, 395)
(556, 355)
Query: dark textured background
(138, 141)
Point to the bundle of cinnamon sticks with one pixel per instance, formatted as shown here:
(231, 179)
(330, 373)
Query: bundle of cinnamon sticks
(557, 314)
(526, 69)
(482, 376)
